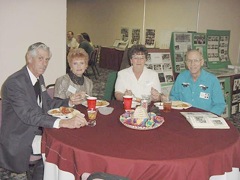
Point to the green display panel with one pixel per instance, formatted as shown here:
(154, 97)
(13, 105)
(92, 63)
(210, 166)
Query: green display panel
(218, 49)
(226, 88)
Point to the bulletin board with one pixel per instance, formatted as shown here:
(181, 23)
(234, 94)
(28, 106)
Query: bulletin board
(218, 49)
(160, 61)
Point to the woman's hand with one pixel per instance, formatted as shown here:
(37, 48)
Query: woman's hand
(128, 93)
(75, 99)
(155, 95)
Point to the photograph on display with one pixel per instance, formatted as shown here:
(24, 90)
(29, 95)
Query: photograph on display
(161, 63)
(150, 38)
(135, 36)
(161, 77)
(199, 39)
(235, 108)
(235, 98)
(182, 42)
(236, 84)
(124, 34)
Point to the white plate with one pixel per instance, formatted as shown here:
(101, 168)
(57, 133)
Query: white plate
(159, 105)
(175, 105)
(135, 104)
(63, 116)
(180, 105)
(125, 119)
(105, 104)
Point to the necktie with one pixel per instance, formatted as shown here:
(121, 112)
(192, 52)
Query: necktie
(37, 90)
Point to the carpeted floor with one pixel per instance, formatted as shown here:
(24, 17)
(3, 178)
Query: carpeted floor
(98, 91)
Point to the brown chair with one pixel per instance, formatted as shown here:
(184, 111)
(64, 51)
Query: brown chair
(0, 112)
(93, 63)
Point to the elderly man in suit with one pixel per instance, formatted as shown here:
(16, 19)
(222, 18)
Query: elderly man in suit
(24, 111)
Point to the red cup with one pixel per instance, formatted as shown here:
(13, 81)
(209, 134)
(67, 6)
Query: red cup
(91, 102)
(127, 100)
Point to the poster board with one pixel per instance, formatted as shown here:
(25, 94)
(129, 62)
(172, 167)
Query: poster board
(181, 42)
(226, 88)
(160, 61)
(218, 49)
(235, 95)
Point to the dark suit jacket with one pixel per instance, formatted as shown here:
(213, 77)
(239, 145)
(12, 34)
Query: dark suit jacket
(21, 117)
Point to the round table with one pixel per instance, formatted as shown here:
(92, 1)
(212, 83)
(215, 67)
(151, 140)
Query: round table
(173, 151)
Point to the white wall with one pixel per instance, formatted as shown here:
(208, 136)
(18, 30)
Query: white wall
(104, 19)
(25, 22)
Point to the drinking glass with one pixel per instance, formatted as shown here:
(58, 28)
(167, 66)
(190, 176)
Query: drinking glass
(167, 104)
(92, 114)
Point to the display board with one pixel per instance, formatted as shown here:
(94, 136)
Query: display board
(226, 88)
(218, 49)
(214, 46)
(236, 95)
(230, 83)
(161, 62)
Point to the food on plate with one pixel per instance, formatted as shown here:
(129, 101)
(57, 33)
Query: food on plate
(101, 103)
(55, 111)
(62, 111)
(180, 104)
(66, 110)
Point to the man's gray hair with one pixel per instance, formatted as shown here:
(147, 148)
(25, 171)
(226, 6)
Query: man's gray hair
(32, 49)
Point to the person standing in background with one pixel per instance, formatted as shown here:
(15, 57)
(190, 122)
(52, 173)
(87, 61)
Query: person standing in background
(71, 41)
(84, 44)
(87, 37)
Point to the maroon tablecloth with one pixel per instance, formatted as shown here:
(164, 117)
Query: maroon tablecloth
(111, 58)
(173, 151)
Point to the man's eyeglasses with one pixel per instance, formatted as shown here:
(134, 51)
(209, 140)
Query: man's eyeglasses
(195, 61)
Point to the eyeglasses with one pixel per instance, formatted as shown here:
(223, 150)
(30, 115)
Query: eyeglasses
(139, 57)
(195, 61)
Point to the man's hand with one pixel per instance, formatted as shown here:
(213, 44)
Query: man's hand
(75, 122)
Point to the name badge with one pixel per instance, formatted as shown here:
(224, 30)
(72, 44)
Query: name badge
(204, 95)
(72, 89)
(43, 88)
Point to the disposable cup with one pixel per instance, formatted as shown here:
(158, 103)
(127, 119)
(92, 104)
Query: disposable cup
(127, 100)
(91, 102)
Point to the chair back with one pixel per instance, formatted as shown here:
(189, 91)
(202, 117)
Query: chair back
(50, 90)
(110, 86)
(93, 57)
(0, 113)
